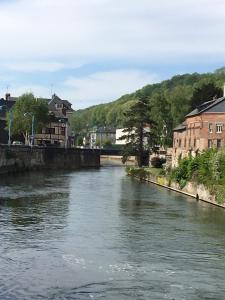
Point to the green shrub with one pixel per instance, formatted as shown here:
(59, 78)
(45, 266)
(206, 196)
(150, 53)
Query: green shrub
(141, 173)
(207, 168)
(157, 162)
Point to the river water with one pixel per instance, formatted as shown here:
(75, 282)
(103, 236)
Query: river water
(97, 234)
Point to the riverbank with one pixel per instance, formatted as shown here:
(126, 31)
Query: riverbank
(192, 189)
(16, 159)
(116, 160)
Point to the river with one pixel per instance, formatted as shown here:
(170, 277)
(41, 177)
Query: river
(98, 234)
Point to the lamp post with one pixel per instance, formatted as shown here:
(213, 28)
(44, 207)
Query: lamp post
(32, 126)
(10, 122)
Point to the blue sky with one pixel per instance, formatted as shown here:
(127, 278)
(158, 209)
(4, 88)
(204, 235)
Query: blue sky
(93, 51)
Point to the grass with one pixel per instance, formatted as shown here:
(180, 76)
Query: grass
(142, 173)
(154, 171)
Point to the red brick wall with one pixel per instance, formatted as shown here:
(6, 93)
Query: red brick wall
(196, 136)
(197, 132)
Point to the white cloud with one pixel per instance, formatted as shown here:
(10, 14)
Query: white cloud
(35, 66)
(37, 90)
(53, 35)
(109, 28)
(40, 66)
(105, 86)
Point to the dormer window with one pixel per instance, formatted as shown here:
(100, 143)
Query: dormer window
(59, 105)
(219, 127)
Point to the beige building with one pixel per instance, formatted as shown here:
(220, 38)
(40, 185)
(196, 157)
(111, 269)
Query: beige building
(58, 131)
(99, 136)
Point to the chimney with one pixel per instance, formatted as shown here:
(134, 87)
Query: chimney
(7, 96)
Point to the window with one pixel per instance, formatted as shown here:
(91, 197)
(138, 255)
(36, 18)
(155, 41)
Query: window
(185, 143)
(209, 143)
(194, 142)
(219, 127)
(59, 105)
(63, 130)
(218, 143)
(50, 130)
(179, 142)
(210, 127)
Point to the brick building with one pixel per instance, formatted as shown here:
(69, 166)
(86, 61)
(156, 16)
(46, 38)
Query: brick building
(203, 128)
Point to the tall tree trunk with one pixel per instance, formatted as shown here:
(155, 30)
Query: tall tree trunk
(140, 147)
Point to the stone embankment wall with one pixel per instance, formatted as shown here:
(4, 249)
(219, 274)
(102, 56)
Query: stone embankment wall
(113, 160)
(22, 158)
(191, 189)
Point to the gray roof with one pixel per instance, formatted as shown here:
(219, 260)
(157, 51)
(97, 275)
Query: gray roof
(180, 127)
(12, 99)
(56, 99)
(5, 106)
(204, 107)
(104, 130)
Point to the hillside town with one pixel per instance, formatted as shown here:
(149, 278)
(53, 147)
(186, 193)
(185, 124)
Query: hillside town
(112, 150)
(202, 128)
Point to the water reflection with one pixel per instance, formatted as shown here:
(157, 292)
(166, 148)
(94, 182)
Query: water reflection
(97, 234)
(183, 240)
(33, 206)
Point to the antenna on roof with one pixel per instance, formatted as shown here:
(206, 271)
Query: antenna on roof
(7, 94)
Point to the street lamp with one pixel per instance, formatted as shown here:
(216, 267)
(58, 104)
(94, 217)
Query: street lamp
(32, 126)
(10, 121)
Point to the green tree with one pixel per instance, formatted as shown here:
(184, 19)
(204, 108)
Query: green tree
(205, 91)
(25, 107)
(179, 99)
(78, 124)
(161, 114)
(137, 117)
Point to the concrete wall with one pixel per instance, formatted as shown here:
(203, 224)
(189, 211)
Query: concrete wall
(112, 160)
(21, 158)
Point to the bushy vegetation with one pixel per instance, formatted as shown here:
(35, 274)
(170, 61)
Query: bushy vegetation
(139, 139)
(26, 107)
(169, 102)
(157, 162)
(142, 173)
(207, 168)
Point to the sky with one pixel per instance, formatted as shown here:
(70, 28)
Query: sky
(94, 51)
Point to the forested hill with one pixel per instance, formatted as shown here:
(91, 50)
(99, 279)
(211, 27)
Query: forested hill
(170, 101)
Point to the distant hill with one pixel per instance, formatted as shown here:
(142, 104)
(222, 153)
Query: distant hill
(171, 99)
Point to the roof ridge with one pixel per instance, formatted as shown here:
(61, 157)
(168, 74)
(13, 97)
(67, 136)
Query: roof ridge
(199, 109)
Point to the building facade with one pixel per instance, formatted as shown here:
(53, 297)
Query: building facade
(121, 132)
(102, 135)
(203, 128)
(5, 106)
(57, 132)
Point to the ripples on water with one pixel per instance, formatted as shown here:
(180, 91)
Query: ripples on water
(98, 234)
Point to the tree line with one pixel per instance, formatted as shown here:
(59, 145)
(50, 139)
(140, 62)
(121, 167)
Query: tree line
(168, 103)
